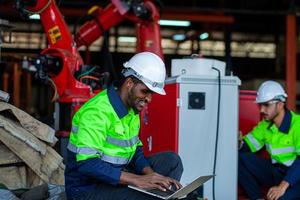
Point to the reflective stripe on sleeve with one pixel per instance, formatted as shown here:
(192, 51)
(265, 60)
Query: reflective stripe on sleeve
(268, 147)
(83, 150)
(90, 151)
(281, 150)
(123, 143)
(74, 129)
(286, 163)
(254, 141)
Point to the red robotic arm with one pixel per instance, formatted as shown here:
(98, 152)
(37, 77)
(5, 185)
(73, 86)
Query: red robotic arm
(61, 59)
(62, 48)
(144, 14)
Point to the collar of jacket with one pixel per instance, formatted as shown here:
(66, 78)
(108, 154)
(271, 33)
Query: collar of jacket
(116, 102)
(286, 122)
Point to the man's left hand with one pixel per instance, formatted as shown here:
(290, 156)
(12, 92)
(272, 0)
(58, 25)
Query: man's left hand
(147, 170)
(276, 192)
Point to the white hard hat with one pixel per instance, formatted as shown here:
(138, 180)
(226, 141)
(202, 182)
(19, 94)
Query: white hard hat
(270, 90)
(149, 68)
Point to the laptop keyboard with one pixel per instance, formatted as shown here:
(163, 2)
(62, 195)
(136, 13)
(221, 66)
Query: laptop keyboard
(160, 192)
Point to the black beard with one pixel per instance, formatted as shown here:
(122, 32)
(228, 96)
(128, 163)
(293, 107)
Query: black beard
(131, 101)
(135, 110)
(276, 110)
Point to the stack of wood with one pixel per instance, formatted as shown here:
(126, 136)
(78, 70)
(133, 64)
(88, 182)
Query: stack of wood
(27, 158)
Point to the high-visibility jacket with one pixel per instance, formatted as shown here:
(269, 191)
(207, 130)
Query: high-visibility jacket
(98, 132)
(283, 143)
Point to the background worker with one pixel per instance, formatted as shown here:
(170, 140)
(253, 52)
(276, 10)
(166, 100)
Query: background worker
(279, 131)
(104, 151)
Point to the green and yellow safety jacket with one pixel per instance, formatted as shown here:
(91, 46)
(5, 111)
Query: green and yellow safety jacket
(109, 138)
(283, 143)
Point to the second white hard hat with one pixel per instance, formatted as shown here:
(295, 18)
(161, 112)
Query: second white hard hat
(270, 90)
(149, 68)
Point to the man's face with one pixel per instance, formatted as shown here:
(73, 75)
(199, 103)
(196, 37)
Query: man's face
(139, 96)
(269, 110)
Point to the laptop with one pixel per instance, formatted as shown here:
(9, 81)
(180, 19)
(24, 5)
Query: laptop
(181, 193)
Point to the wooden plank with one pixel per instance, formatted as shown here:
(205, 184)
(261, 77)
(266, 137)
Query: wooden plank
(45, 166)
(16, 130)
(33, 126)
(16, 177)
(8, 157)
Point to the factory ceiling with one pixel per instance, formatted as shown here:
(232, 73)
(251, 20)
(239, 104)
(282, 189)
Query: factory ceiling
(255, 16)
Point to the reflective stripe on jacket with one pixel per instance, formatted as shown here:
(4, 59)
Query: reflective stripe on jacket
(283, 143)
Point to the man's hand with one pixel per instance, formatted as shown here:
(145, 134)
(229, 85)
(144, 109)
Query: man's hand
(147, 170)
(155, 180)
(152, 180)
(276, 192)
(240, 140)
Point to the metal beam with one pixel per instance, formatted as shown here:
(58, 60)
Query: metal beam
(291, 42)
(195, 16)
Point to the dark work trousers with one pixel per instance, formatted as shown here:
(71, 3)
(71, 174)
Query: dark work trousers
(255, 171)
(166, 163)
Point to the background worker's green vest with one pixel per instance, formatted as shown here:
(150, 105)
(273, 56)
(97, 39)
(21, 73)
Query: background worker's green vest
(97, 131)
(282, 147)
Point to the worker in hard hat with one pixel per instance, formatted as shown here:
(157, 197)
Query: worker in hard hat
(279, 132)
(105, 153)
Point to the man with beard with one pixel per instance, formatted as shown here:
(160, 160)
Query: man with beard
(105, 153)
(279, 132)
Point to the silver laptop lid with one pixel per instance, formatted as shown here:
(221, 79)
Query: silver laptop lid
(190, 187)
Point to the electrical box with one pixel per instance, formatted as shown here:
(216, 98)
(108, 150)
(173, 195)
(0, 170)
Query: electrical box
(197, 66)
(197, 117)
